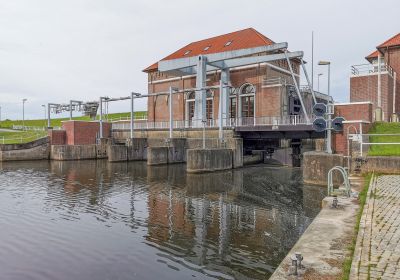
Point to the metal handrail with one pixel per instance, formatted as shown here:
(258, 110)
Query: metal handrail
(214, 123)
(21, 139)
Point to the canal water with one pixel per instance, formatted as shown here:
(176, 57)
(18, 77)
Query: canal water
(99, 220)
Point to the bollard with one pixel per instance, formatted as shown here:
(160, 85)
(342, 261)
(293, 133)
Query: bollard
(294, 266)
(299, 258)
(335, 202)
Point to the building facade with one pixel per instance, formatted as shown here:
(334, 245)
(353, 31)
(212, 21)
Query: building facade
(378, 81)
(256, 91)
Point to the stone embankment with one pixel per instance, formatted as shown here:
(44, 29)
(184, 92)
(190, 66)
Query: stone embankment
(39, 149)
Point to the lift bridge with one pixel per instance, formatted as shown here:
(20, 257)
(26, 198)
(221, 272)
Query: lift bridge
(294, 125)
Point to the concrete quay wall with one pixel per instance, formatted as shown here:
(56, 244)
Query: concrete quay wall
(209, 160)
(36, 150)
(316, 166)
(380, 164)
(73, 152)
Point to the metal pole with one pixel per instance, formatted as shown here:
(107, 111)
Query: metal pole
(297, 87)
(330, 112)
(70, 110)
(132, 113)
(361, 143)
(312, 60)
(170, 113)
(23, 114)
(48, 115)
(101, 117)
(394, 92)
(0, 113)
(220, 114)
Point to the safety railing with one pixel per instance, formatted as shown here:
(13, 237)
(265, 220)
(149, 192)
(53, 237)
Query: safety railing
(375, 144)
(33, 128)
(214, 123)
(370, 69)
(21, 139)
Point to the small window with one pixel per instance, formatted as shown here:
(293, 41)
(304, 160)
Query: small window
(228, 43)
(187, 52)
(206, 48)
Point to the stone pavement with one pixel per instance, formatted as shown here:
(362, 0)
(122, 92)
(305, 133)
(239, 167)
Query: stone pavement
(377, 253)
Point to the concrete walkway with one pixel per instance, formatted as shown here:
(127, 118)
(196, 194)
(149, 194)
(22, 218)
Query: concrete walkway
(377, 254)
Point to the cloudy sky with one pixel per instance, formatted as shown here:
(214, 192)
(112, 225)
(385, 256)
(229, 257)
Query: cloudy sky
(57, 50)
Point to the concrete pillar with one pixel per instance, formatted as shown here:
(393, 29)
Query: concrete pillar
(201, 93)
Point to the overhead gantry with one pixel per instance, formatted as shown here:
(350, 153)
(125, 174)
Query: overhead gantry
(223, 62)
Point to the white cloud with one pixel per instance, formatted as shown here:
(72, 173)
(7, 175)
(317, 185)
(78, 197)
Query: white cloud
(53, 51)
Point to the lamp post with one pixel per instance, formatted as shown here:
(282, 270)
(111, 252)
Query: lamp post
(0, 113)
(44, 109)
(23, 113)
(330, 110)
(319, 75)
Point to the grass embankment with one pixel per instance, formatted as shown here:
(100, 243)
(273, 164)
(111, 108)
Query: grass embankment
(57, 122)
(362, 197)
(15, 137)
(385, 150)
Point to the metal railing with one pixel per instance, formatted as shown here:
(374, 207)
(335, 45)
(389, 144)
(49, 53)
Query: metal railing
(126, 118)
(367, 142)
(33, 128)
(21, 139)
(370, 69)
(214, 123)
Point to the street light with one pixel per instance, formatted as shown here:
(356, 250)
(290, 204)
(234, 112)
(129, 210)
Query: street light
(329, 73)
(319, 75)
(44, 109)
(23, 113)
(330, 110)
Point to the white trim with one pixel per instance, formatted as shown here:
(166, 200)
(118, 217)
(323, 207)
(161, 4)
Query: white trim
(353, 103)
(356, 121)
(274, 85)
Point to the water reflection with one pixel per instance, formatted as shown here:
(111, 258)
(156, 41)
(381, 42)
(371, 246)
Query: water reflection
(96, 220)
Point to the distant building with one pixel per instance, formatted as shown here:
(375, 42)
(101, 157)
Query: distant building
(258, 90)
(379, 85)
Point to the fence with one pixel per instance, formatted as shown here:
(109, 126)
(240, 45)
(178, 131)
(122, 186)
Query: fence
(213, 123)
(375, 144)
(21, 139)
(33, 128)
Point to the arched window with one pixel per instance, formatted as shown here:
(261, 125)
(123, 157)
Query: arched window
(247, 100)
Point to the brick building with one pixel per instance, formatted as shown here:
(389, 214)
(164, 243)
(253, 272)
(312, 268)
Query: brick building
(258, 90)
(379, 85)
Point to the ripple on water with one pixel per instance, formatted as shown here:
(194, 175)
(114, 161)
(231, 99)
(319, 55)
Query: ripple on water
(95, 220)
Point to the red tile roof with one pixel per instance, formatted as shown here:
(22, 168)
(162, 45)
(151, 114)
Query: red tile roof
(394, 41)
(246, 38)
(372, 55)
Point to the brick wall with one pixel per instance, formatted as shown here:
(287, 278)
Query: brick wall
(57, 137)
(365, 88)
(351, 112)
(83, 132)
(268, 100)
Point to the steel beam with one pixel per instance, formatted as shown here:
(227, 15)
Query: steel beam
(236, 62)
(297, 87)
(308, 81)
(174, 64)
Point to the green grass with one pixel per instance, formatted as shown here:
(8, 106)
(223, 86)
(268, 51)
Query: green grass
(362, 197)
(385, 150)
(15, 137)
(57, 122)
